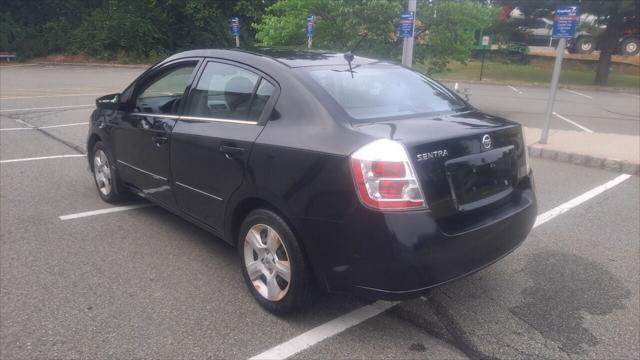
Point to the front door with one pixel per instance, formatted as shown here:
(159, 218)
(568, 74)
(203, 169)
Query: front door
(143, 139)
(212, 140)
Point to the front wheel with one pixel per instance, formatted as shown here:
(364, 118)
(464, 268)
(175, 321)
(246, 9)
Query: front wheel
(105, 176)
(584, 45)
(273, 264)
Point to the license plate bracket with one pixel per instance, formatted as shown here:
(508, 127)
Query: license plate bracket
(480, 179)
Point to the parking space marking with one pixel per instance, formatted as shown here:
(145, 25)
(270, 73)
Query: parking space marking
(42, 158)
(44, 127)
(103, 211)
(572, 122)
(579, 94)
(48, 108)
(514, 89)
(324, 331)
(561, 209)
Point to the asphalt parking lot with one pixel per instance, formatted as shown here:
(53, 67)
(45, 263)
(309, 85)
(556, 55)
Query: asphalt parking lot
(143, 283)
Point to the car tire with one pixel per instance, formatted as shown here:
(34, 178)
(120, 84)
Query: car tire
(584, 45)
(105, 175)
(630, 47)
(268, 251)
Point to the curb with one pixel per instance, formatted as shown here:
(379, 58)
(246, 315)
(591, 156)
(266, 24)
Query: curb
(585, 160)
(546, 85)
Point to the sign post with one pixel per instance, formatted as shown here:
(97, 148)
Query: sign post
(235, 29)
(310, 24)
(486, 43)
(407, 25)
(564, 27)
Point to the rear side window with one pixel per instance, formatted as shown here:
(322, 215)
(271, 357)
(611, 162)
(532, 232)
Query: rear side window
(163, 94)
(383, 91)
(229, 92)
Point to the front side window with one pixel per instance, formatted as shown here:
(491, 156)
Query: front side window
(229, 92)
(382, 91)
(163, 95)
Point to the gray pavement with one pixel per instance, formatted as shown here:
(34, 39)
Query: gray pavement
(146, 284)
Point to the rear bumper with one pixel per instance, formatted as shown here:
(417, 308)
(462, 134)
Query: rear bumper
(400, 255)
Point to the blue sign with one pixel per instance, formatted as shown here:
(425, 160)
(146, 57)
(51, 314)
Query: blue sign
(310, 20)
(564, 22)
(235, 26)
(407, 19)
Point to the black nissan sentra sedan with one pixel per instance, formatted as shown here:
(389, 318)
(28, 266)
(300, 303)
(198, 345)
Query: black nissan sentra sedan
(326, 170)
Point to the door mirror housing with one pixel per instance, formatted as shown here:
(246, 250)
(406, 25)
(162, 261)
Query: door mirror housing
(110, 102)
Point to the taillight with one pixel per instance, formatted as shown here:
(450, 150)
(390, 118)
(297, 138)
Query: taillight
(384, 177)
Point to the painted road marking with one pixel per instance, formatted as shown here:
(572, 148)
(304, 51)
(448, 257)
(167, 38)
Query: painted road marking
(561, 209)
(47, 96)
(572, 122)
(324, 331)
(103, 211)
(42, 158)
(579, 94)
(344, 322)
(44, 127)
(514, 89)
(48, 108)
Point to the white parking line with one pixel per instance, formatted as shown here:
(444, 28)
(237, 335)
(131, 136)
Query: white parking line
(514, 89)
(103, 211)
(324, 331)
(579, 94)
(47, 96)
(48, 108)
(344, 322)
(44, 127)
(42, 158)
(572, 122)
(561, 209)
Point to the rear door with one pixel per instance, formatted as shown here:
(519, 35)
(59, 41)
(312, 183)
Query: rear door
(226, 111)
(142, 137)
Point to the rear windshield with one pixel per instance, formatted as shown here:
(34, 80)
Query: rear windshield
(383, 91)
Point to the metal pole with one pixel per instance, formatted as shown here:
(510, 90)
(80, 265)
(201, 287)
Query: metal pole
(562, 44)
(484, 51)
(237, 41)
(407, 47)
(309, 42)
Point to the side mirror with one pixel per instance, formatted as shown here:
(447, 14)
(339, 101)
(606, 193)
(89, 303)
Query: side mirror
(110, 102)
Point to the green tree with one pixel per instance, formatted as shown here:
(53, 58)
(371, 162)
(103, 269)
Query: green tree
(449, 35)
(447, 29)
(338, 24)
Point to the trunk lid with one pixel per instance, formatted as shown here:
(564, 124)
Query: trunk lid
(463, 161)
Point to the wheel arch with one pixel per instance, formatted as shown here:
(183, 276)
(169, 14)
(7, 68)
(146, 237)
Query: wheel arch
(91, 142)
(243, 207)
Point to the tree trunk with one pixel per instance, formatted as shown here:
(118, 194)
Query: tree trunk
(608, 44)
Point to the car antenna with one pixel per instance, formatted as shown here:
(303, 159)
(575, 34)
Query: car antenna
(349, 54)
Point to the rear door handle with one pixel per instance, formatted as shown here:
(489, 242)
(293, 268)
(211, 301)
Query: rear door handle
(230, 151)
(160, 139)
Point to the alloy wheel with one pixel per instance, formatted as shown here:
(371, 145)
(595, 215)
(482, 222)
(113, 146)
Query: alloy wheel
(102, 172)
(267, 262)
(631, 47)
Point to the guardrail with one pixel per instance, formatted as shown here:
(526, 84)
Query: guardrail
(7, 55)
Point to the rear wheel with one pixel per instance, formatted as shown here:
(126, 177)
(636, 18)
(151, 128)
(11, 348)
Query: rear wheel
(630, 47)
(105, 176)
(273, 264)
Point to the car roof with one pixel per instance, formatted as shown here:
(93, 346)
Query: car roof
(289, 57)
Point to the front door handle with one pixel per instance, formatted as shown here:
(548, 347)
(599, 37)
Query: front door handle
(160, 139)
(230, 151)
